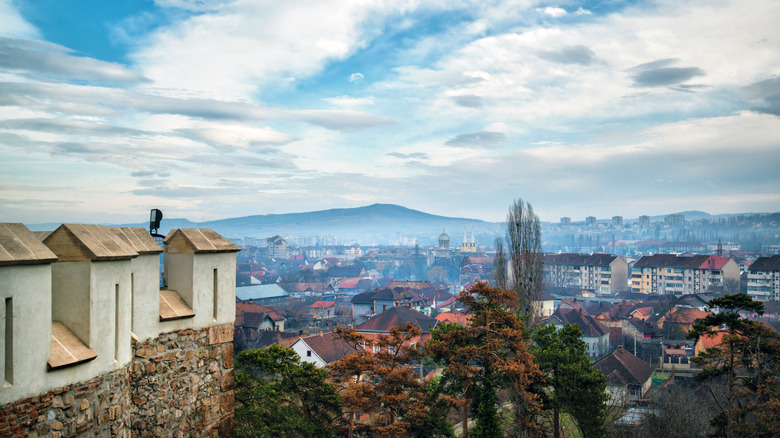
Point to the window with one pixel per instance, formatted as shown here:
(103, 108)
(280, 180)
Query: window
(308, 353)
(216, 292)
(9, 341)
(116, 322)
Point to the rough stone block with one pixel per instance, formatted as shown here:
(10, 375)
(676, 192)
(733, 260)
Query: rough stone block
(227, 356)
(228, 382)
(220, 334)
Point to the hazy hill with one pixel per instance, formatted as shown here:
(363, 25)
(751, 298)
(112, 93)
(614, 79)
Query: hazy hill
(377, 223)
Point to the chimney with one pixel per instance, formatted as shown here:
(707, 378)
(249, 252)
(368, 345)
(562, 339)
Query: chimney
(620, 348)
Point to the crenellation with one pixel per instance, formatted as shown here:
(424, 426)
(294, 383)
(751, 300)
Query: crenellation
(149, 377)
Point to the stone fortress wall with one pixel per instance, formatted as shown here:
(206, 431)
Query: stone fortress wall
(90, 345)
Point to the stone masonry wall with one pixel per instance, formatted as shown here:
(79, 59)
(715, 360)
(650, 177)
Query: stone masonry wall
(177, 385)
(182, 384)
(99, 407)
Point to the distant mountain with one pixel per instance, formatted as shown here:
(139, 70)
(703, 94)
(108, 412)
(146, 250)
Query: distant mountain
(372, 223)
(377, 224)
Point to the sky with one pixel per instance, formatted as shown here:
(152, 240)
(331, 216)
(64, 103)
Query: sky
(210, 109)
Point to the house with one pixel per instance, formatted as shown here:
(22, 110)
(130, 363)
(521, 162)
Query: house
(323, 309)
(299, 290)
(763, 279)
(368, 304)
(605, 274)
(594, 333)
(337, 273)
(708, 341)
(262, 293)
(256, 317)
(675, 359)
(459, 318)
(545, 307)
(395, 317)
(680, 320)
(628, 377)
(322, 349)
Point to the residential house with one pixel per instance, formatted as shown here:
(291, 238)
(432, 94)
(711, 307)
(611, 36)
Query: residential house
(262, 293)
(675, 359)
(337, 273)
(299, 290)
(323, 310)
(322, 349)
(368, 304)
(460, 318)
(680, 275)
(544, 307)
(763, 279)
(678, 321)
(708, 341)
(256, 317)
(628, 377)
(594, 333)
(604, 274)
(396, 317)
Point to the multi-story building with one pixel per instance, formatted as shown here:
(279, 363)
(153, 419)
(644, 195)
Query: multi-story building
(644, 221)
(565, 221)
(763, 279)
(617, 221)
(675, 220)
(602, 273)
(590, 220)
(677, 275)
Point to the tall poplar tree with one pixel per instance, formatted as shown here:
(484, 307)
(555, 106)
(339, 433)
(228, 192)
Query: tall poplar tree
(526, 260)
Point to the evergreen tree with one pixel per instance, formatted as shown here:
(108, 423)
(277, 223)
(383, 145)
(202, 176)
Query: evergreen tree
(574, 386)
(278, 395)
(491, 353)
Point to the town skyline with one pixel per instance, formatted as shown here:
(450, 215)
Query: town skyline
(210, 109)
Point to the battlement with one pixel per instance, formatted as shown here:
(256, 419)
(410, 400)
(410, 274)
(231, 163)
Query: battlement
(84, 302)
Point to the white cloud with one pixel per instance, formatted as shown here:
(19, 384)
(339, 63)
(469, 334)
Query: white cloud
(12, 24)
(554, 12)
(356, 77)
(350, 102)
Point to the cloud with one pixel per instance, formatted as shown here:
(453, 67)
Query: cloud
(148, 173)
(768, 93)
(192, 5)
(482, 139)
(344, 121)
(554, 12)
(41, 59)
(68, 127)
(659, 74)
(350, 102)
(12, 24)
(356, 77)
(469, 101)
(234, 135)
(570, 55)
(413, 155)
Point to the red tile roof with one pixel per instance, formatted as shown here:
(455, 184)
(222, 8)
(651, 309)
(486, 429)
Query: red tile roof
(328, 346)
(323, 305)
(395, 317)
(623, 368)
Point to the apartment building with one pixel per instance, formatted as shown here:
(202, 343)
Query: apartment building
(679, 275)
(604, 274)
(763, 279)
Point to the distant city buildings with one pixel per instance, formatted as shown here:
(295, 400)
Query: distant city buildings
(590, 220)
(679, 275)
(617, 221)
(565, 221)
(763, 279)
(603, 274)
